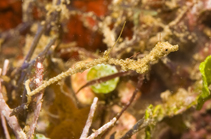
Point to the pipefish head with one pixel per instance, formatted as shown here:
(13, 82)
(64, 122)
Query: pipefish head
(165, 48)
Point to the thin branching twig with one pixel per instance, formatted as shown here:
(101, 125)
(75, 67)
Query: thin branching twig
(4, 125)
(38, 35)
(102, 129)
(139, 84)
(41, 57)
(111, 123)
(103, 79)
(90, 118)
(12, 121)
(5, 66)
(39, 69)
(137, 127)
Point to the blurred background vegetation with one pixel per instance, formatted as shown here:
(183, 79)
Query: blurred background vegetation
(60, 33)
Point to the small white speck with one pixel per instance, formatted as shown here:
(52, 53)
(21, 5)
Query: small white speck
(37, 80)
(39, 65)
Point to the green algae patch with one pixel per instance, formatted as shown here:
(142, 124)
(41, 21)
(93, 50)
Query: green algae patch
(205, 69)
(102, 70)
(40, 136)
